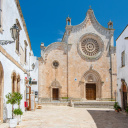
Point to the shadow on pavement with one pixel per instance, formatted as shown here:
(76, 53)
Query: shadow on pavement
(109, 119)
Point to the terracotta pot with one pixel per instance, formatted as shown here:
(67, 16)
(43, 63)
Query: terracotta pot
(116, 111)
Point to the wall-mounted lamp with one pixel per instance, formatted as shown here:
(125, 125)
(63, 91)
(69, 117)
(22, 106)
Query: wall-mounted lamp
(126, 38)
(33, 66)
(110, 70)
(14, 30)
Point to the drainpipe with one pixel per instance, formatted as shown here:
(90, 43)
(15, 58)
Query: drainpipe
(67, 71)
(110, 70)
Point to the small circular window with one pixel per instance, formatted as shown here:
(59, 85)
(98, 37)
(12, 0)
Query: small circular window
(55, 64)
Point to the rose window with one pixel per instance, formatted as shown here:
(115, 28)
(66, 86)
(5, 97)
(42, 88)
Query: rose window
(55, 64)
(90, 47)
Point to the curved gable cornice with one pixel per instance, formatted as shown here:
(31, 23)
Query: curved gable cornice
(90, 17)
(54, 46)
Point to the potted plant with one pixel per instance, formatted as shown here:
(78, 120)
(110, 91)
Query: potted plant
(18, 112)
(117, 107)
(126, 110)
(13, 98)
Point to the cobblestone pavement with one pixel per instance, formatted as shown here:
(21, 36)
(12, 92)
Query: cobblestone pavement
(69, 117)
(58, 117)
(109, 119)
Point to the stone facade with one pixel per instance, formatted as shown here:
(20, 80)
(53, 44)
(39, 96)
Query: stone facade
(122, 81)
(86, 56)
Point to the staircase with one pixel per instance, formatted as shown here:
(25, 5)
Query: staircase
(94, 104)
(54, 103)
(82, 104)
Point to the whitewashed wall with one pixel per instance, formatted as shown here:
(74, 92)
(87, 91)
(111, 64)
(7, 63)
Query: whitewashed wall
(34, 74)
(9, 15)
(122, 72)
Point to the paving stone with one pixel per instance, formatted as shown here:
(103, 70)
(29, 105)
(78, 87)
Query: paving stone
(69, 117)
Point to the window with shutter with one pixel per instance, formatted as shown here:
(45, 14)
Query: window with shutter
(123, 59)
(25, 51)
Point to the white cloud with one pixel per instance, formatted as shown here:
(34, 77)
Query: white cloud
(59, 39)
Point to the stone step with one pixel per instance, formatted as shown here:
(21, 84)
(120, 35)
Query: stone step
(54, 104)
(94, 104)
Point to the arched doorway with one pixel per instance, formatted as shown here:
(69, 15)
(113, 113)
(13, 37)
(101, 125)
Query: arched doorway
(91, 85)
(55, 90)
(1, 91)
(124, 94)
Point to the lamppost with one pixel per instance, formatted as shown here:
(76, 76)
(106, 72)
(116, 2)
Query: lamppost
(14, 30)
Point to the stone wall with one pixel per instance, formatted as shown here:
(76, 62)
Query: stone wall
(78, 65)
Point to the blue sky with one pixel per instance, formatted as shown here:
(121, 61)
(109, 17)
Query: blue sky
(46, 19)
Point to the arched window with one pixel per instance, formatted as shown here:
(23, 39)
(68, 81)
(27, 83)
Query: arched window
(14, 88)
(18, 38)
(18, 83)
(25, 51)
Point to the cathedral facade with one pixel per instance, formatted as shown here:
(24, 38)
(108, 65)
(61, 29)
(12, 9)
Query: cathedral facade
(80, 67)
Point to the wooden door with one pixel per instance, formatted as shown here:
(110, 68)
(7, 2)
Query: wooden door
(124, 100)
(55, 94)
(28, 97)
(124, 96)
(91, 92)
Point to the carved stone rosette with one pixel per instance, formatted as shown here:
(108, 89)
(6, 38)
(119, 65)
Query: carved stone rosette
(90, 47)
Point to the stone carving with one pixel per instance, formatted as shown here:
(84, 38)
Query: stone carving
(90, 78)
(90, 47)
(90, 17)
(55, 84)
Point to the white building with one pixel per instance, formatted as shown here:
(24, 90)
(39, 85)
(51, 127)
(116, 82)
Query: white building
(34, 76)
(122, 68)
(15, 58)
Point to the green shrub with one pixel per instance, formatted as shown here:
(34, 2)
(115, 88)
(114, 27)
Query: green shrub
(126, 110)
(13, 98)
(18, 111)
(64, 97)
(116, 105)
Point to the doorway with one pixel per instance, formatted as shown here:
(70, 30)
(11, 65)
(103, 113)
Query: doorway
(91, 91)
(55, 94)
(124, 97)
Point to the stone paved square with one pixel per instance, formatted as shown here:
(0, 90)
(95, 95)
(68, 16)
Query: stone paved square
(69, 117)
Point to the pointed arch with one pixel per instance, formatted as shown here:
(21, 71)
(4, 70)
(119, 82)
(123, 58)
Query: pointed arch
(55, 90)
(93, 73)
(55, 84)
(92, 78)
